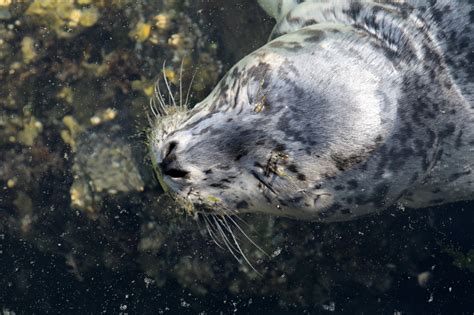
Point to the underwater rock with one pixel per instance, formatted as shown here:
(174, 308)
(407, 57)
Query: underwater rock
(104, 167)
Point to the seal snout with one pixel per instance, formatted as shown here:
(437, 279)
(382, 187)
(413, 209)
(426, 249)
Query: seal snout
(169, 165)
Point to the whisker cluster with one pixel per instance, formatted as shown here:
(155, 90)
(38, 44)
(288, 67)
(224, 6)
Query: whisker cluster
(161, 108)
(221, 227)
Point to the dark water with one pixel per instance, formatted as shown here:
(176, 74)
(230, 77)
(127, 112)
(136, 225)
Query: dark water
(48, 287)
(81, 236)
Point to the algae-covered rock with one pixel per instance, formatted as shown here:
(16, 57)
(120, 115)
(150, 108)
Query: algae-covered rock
(104, 166)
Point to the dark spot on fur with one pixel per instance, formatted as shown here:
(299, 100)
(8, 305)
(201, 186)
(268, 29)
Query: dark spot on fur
(339, 187)
(343, 163)
(379, 193)
(360, 199)
(301, 177)
(437, 14)
(293, 168)
(309, 22)
(223, 167)
(458, 143)
(346, 211)
(296, 200)
(280, 147)
(219, 185)
(328, 176)
(293, 20)
(431, 138)
(267, 198)
(290, 46)
(205, 130)
(242, 205)
(455, 176)
(353, 184)
(405, 133)
(329, 211)
(241, 154)
(398, 158)
(283, 202)
(448, 130)
(313, 36)
(377, 196)
(354, 10)
(256, 72)
(235, 72)
(419, 143)
(277, 44)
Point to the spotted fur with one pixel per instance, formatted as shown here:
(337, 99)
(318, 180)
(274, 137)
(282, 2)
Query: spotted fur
(351, 107)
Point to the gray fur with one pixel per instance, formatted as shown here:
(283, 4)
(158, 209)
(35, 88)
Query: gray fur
(350, 108)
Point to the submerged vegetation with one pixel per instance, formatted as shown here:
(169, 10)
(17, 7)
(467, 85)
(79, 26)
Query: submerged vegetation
(78, 200)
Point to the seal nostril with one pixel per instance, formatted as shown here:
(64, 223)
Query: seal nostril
(171, 148)
(170, 165)
(176, 173)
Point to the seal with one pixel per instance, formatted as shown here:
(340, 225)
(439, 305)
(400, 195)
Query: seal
(351, 107)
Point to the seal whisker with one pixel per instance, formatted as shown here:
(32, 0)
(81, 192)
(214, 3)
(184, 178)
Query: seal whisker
(159, 97)
(212, 231)
(226, 240)
(153, 108)
(148, 117)
(181, 85)
(217, 237)
(170, 93)
(248, 237)
(224, 221)
(224, 235)
(211, 234)
(188, 93)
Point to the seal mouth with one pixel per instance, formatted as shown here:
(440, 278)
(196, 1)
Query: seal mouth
(195, 204)
(204, 209)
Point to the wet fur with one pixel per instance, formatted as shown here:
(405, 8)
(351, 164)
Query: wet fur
(350, 108)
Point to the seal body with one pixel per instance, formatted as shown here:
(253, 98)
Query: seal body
(349, 108)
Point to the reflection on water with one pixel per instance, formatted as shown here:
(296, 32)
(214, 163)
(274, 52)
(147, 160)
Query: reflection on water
(84, 227)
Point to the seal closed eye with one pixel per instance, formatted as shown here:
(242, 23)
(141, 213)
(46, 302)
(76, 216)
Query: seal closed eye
(349, 108)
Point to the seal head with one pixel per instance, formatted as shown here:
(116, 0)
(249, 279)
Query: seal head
(321, 123)
(281, 124)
